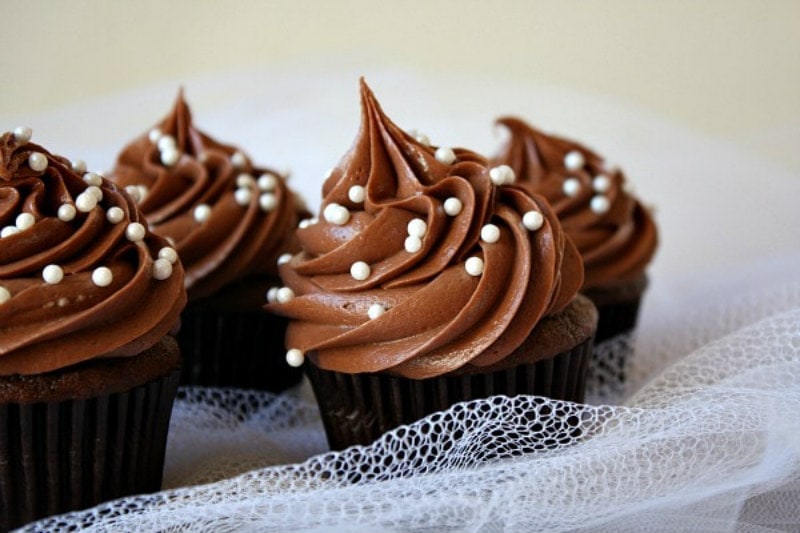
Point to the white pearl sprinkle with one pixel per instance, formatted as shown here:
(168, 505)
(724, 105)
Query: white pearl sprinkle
(284, 258)
(37, 162)
(268, 201)
(284, 295)
(162, 269)
(574, 160)
(5, 295)
(422, 139)
(52, 274)
(23, 134)
(85, 202)
(115, 215)
(272, 295)
(502, 175)
(336, 214)
(8, 231)
(445, 155)
(600, 204)
(474, 266)
(267, 182)
(102, 277)
(243, 196)
(154, 135)
(202, 213)
(135, 232)
(417, 227)
(357, 194)
(134, 192)
(79, 166)
(166, 142)
(238, 160)
(453, 206)
(169, 254)
(360, 270)
(245, 180)
(66, 212)
(306, 222)
(413, 244)
(96, 192)
(93, 178)
(170, 156)
(25, 221)
(375, 310)
(490, 233)
(571, 186)
(532, 220)
(295, 358)
(601, 183)
(143, 191)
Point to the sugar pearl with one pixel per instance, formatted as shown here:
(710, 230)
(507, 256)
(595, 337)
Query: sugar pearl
(169, 254)
(268, 201)
(52, 274)
(170, 156)
(375, 310)
(574, 160)
(306, 222)
(295, 358)
(453, 206)
(601, 183)
(336, 214)
(445, 155)
(115, 215)
(474, 266)
(67, 212)
(93, 178)
(37, 162)
(284, 258)
(238, 160)
(85, 202)
(135, 232)
(25, 221)
(242, 196)
(422, 139)
(490, 233)
(97, 192)
(532, 220)
(23, 134)
(134, 192)
(284, 295)
(600, 205)
(79, 166)
(272, 295)
(8, 231)
(357, 194)
(413, 244)
(102, 276)
(502, 175)
(154, 135)
(202, 212)
(417, 227)
(245, 180)
(360, 270)
(162, 269)
(5, 295)
(267, 182)
(166, 142)
(571, 186)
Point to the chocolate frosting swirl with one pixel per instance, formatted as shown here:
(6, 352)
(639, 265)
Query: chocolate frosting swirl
(80, 276)
(614, 232)
(437, 317)
(229, 220)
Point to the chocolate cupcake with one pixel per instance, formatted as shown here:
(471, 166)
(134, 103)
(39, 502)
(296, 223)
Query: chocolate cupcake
(88, 373)
(230, 222)
(615, 234)
(428, 280)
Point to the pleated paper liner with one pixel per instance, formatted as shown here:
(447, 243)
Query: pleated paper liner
(359, 408)
(66, 455)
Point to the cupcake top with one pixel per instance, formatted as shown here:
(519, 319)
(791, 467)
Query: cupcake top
(424, 261)
(613, 231)
(81, 276)
(227, 218)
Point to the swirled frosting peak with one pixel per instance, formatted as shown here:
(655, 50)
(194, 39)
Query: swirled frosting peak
(81, 276)
(420, 263)
(614, 232)
(228, 218)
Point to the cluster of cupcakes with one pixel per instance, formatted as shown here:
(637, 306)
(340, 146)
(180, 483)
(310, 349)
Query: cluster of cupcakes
(432, 275)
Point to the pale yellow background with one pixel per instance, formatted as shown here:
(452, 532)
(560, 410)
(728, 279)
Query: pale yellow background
(727, 68)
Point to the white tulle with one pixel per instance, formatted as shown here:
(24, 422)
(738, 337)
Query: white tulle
(703, 436)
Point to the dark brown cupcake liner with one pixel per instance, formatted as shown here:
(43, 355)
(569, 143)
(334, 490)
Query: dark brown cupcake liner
(67, 455)
(235, 348)
(359, 408)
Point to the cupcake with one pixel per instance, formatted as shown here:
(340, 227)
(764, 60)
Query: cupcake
(614, 233)
(230, 222)
(429, 279)
(88, 373)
